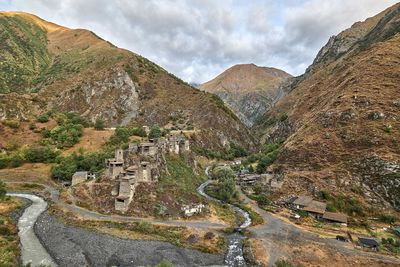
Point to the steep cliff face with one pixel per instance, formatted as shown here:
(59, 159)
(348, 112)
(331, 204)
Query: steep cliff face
(341, 120)
(46, 66)
(248, 90)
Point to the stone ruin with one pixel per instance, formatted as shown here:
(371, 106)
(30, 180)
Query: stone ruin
(140, 163)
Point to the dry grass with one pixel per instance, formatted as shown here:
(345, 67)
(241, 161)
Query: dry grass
(28, 173)
(91, 141)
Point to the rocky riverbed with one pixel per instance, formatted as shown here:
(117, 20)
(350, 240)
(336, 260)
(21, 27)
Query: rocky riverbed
(71, 246)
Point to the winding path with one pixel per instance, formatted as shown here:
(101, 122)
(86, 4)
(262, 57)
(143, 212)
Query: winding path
(278, 236)
(92, 215)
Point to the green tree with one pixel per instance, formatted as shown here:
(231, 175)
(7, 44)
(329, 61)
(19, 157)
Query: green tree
(64, 170)
(155, 132)
(99, 124)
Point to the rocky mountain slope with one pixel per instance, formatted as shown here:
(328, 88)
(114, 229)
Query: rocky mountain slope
(46, 66)
(248, 90)
(341, 121)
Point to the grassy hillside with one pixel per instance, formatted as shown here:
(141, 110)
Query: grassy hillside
(50, 67)
(341, 121)
(24, 54)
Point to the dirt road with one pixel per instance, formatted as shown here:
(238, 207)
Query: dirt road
(285, 240)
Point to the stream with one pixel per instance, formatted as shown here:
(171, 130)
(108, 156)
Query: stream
(32, 250)
(234, 256)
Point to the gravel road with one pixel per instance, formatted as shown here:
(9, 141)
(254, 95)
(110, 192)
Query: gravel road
(278, 235)
(71, 246)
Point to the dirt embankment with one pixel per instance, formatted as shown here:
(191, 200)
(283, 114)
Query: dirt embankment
(71, 246)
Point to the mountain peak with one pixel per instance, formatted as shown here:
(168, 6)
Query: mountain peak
(249, 90)
(48, 26)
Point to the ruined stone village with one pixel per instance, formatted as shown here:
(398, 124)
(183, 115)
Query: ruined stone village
(140, 163)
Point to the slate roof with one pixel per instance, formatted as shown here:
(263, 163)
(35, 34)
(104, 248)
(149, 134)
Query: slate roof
(336, 217)
(367, 241)
(303, 200)
(316, 207)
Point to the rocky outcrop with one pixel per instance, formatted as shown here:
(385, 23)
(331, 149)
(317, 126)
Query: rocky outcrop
(113, 98)
(383, 178)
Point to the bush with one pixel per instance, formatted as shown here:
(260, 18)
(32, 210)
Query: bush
(145, 227)
(43, 118)
(64, 170)
(155, 132)
(99, 124)
(32, 126)
(237, 150)
(3, 190)
(13, 124)
(165, 263)
(42, 154)
(387, 218)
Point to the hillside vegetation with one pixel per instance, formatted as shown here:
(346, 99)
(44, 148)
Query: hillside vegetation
(50, 67)
(341, 120)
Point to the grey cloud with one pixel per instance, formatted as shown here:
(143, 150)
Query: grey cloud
(198, 39)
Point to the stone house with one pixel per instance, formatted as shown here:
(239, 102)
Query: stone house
(115, 165)
(82, 176)
(140, 163)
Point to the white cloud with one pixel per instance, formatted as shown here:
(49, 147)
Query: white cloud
(197, 39)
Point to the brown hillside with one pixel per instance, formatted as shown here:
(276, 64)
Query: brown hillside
(248, 90)
(47, 66)
(343, 126)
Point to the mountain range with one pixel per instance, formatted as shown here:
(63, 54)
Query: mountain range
(340, 121)
(45, 66)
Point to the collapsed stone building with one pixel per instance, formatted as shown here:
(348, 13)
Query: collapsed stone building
(140, 163)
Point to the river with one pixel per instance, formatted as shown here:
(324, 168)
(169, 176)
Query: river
(32, 250)
(234, 256)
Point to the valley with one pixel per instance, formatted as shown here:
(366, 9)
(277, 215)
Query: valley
(107, 159)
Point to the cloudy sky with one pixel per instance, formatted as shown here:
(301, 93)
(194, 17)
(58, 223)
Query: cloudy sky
(198, 39)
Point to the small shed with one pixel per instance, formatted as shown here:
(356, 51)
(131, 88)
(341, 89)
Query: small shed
(368, 242)
(335, 217)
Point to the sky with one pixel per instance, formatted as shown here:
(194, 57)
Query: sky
(198, 39)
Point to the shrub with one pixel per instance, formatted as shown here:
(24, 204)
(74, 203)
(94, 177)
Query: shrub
(145, 227)
(165, 263)
(13, 124)
(64, 170)
(99, 124)
(155, 132)
(283, 117)
(237, 150)
(387, 218)
(3, 190)
(32, 126)
(43, 154)
(283, 263)
(43, 118)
